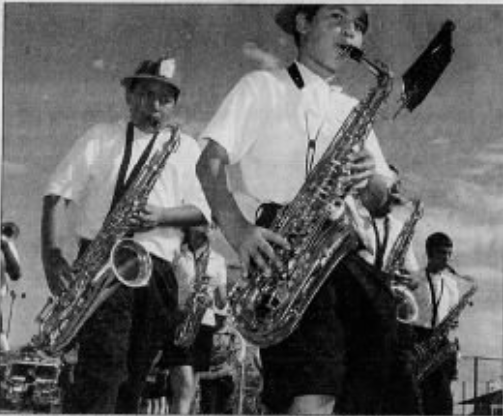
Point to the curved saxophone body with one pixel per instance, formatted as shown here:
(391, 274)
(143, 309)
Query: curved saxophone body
(436, 349)
(407, 307)
(197, 303)
(110, 259)
(319, 227)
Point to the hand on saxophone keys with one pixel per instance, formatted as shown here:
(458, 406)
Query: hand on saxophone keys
(360, 167)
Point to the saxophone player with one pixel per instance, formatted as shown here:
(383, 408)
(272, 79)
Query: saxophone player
(184, 363)
(10, 269)
(119, 341)
(438, 293)
(266, 135)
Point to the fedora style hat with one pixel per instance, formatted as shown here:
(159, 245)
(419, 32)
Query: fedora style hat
(164, 70)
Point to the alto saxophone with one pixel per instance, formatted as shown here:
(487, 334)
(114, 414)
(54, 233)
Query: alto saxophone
(436, 349)
(266, 309)
(197, 303)
(110, 259)
(407, 307)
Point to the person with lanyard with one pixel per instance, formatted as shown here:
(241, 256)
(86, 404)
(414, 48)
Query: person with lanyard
(402, 395)
(265, 137)
(120, 340)
(437, 294)
(10, 269)
(183, 363)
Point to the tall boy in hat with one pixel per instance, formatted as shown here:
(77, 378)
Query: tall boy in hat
(119, 341)
(272, 128)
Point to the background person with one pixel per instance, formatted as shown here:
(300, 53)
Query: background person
(183, 363)
(437, 294)
(10, 269)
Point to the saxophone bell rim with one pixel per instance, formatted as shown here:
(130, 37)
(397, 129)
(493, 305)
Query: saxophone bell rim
(142, 257)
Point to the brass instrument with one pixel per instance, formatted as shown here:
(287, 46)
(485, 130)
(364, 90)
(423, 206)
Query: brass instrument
(197, 303)
(109, 260)
(407, 307)
(433, 351)
(10, 230)
(266, 309)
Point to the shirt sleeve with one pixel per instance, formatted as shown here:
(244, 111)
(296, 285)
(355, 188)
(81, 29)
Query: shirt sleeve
(217, 270)
(231, 122)
(72, 173)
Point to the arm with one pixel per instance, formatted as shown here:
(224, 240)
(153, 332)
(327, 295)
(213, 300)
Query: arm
(249, 241)
(182, 216)
(11, 259)
(57, 270)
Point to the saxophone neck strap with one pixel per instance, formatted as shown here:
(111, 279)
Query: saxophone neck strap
(381, 244)
(122, 184)
(435, 301)
(295, 75)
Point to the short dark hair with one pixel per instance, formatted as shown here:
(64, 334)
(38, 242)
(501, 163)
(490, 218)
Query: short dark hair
(436, 240)
(310, 10)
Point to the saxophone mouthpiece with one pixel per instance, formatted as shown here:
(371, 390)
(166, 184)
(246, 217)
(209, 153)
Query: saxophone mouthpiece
(353, 52)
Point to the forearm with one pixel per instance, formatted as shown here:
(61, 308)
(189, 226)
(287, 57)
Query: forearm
(49, 224)
(182, 216)
(211, 171)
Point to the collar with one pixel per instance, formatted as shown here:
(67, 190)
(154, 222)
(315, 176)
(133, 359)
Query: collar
(312, 79)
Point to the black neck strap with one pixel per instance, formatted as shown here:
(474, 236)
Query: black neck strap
(122, 184)
(435, 302)
(293, 71)
(381, 245)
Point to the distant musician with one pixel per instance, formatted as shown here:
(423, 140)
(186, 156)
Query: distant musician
(437, 294)
(10, 269)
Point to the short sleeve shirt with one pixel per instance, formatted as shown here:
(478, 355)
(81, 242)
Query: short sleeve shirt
(446, 296)
(265, 124)
(185, 272)
(88, 174)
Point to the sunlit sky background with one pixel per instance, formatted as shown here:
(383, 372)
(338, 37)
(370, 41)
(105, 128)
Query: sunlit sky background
(62, 64)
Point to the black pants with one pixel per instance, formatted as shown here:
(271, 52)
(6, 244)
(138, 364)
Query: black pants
(216, 395)
(118, 344)
(344, 345)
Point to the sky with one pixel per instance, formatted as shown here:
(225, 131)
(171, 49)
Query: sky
(61, 69)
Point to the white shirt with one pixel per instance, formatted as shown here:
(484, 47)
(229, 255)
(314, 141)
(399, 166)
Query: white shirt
(394, 229)
(88, 176)
(185, 273)
(265, 124)
(445, 297)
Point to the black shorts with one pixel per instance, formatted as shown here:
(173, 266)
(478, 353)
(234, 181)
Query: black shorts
(197, 355)
(313, 360)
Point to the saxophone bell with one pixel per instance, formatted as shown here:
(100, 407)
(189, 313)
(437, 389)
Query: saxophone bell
(407, 309)
(131, 263)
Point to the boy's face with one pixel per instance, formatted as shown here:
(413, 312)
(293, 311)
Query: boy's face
(333, 25)
(151, 104)
(439, 257)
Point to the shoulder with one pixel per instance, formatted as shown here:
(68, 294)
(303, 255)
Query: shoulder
(263, 79)
(188, 147)
(101, 134)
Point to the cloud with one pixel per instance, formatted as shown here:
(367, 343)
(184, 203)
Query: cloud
(12, 168)
(265, 59)
(99, 64)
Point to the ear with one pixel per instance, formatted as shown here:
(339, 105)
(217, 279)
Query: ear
(301, 23)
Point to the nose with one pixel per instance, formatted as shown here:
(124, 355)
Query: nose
(349, 29)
